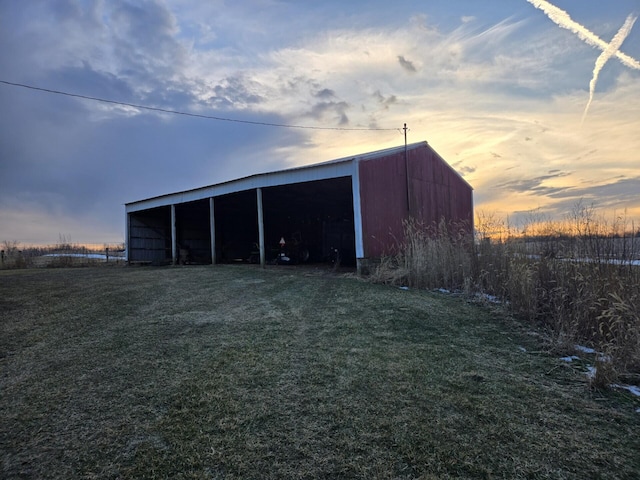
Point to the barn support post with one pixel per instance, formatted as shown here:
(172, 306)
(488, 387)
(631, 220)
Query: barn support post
(260, 228)
(174, 237)
(212, 227)
(357, 216)
(127, 240)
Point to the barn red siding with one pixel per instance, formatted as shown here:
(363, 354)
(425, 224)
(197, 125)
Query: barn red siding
(436, 192)
(383, 203)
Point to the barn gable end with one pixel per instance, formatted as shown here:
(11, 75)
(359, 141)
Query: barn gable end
(419, 185)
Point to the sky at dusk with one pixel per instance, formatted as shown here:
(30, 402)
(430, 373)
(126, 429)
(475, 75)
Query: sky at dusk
(536, 104)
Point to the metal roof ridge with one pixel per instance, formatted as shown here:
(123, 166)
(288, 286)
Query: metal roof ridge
(357, 158)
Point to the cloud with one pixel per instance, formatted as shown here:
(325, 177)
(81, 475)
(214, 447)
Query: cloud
(325, 94)
(618, 196)
(144, 36)
(464, 170)
(534, 185)
(622, 188)
(235, 93)
(332, 111)
(406, 64)
(386, 102)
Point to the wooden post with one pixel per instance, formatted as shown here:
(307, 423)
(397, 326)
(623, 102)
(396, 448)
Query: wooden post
(406, 169)
(261, 228)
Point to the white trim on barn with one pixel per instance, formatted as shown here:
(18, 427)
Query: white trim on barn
(320, 171)
(357, 210)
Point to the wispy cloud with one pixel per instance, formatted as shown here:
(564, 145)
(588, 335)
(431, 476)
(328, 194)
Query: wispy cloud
(535, 184)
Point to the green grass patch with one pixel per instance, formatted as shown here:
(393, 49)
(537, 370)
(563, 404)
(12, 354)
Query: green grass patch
(238, 372)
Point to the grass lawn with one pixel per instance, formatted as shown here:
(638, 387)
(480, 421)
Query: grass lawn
(238, 372)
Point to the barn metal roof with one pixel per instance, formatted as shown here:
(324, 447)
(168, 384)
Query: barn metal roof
(340, 167)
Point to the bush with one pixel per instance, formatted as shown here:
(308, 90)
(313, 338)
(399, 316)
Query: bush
(11, 256)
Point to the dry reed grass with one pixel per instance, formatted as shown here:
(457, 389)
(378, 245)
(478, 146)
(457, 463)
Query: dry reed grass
(580, 279)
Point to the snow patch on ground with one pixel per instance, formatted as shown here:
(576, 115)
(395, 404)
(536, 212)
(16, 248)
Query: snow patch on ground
(488, 298)
(96, 256)
(583, 349)
(591, 370)
(631, 388)
(570, 358)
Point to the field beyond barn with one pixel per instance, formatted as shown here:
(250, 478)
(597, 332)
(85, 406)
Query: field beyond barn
(237, 372)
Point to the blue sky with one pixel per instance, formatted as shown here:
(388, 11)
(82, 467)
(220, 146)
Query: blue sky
(497, 88)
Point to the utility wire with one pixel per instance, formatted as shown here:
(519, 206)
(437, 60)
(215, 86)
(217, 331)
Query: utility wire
(187, 114)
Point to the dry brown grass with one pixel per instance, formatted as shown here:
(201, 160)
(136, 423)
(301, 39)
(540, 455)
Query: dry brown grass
(574, 280)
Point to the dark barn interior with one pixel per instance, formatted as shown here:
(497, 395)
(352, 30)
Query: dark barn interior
(312, 217)
(236, 217)
(150, 235)
(192, 232)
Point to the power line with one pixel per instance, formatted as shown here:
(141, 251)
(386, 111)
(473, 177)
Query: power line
(187, 114)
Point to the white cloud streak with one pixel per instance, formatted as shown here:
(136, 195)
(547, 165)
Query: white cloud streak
(564, 20)
(606, 54)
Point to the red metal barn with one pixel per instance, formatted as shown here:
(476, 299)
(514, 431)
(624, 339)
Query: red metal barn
(354, 205)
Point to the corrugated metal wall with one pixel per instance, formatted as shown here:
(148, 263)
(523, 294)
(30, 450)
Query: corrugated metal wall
(383, 203)
(150, 235)
(436, 192)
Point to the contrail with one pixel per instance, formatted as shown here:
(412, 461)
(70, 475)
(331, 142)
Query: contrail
(562, 19)
(606, 54)
(609, 49)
